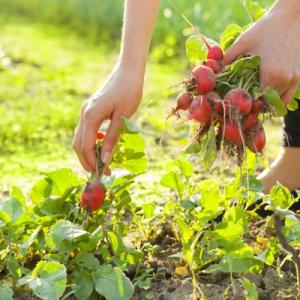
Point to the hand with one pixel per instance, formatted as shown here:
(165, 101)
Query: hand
(118, 97)
(276, 39)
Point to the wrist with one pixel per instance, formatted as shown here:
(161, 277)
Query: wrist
(132, 65)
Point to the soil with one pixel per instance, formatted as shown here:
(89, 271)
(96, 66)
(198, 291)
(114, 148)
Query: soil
(167, 285)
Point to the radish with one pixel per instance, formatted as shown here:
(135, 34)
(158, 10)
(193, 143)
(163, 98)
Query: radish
(232, 133)
(214, 52)
(184, 101)
(200, 110)
(215, 65)
(258, 106)
(215, 101)
(93, 195)
(256, 140)
(238, 99)
(250, 121)
(205, 79)
(100, 136)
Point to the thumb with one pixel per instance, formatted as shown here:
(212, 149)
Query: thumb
(110, 140)
(234, 51)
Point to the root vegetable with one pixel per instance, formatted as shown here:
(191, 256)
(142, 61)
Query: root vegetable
(93, 195)
(200, 110)
(238, 99)
(205, 79)
(215, 65)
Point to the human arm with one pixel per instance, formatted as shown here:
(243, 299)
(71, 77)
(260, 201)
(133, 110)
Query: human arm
(121, 94)
(276, 39)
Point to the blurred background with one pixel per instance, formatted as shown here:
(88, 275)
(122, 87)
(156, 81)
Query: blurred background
(54, 54)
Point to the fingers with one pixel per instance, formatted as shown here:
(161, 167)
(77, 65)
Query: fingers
(111, 138)
(238, 48)
(91, 123)
(77, 147)
(76, 144)
(289, 94)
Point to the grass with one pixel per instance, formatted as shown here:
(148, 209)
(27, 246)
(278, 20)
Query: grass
(46, 73)
(101, 20)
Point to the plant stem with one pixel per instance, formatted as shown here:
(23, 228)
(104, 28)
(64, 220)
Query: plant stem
(99, 163)
(287, 247)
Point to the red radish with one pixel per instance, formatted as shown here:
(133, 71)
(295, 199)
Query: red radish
(93, 195)
(184, 101)
(258, 106)
(215, 52)
(232, 133)
(257, 139)
(100, 135)
(205, 79)
(239, 99)
(216, 101)
(200, 110)
(250, 121)
(215, 65)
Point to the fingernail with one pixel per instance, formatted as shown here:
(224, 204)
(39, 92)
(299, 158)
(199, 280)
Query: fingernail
(105, 157)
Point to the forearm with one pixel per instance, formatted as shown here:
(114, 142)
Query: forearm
(291, 6)
(139, 21)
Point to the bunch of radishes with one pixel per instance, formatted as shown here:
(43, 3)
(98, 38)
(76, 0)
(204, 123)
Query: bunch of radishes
(234, 113)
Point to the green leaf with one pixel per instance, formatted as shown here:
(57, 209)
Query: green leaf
(40, 191)
(47, 280)
(173, 181)
(252, 293)
(280, 197)
(13, 208)
(4, 218)
(137, 166)
(255, 11)
(17, 194)
(130, 126)
(133, 141)
(209, 190)
(87, 261)
(131, 256)
(208, 151)
(61, 231)
(193, 148)
(6, 293)
(273, 98)
(186, 231)
(185, 167)
(297, 94)
(83, 284)
(230, 34)
(293, 105)
(62, 180)
(226, 233)
(196, 51)
(269, 254)
(236, 215)
(148, 210)
(112, 283)
(245, 64)
(115, 241)
(292, 228)
(14, 268)
(233, 264)
(94, 239)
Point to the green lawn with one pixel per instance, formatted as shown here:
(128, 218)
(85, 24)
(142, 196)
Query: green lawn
(45, 74)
